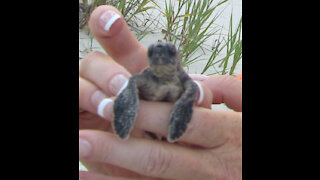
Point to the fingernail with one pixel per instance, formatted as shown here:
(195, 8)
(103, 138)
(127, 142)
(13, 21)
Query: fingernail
(102, 105)
(108, 18)
(117, 83)
(97, 97)
(84, 148)
(200, 97)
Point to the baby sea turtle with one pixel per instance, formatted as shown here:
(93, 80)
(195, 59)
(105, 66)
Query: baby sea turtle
(163, 80)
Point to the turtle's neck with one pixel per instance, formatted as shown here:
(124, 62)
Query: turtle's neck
(164, 72)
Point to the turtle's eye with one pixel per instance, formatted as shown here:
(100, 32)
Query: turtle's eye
(172, 50)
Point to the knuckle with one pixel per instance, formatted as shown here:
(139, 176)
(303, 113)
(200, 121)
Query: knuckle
(88, 60)
(91, 57)
(157, 161)
(201, 132)
(230, 82)
(212, 131)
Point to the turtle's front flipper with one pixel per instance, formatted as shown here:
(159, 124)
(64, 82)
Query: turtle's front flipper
(182, 111)
(125, 109)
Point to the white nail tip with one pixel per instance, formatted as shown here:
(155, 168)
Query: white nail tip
(102, 105)
(200, 92)
(123, 87)
(111, 21)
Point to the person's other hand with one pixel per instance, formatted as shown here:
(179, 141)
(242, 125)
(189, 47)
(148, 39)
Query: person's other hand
(211, 146)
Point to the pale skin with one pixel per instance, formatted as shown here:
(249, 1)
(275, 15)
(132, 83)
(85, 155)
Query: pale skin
(211, 147)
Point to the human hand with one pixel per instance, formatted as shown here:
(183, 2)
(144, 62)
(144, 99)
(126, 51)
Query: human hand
(109, 155)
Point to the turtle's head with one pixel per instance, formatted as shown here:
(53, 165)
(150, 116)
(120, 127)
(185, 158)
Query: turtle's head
(164, 54)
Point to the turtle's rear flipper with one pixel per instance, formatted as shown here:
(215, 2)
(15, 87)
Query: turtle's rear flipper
(182, 112)
(125, 109)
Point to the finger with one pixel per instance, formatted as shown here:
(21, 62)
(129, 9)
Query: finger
(111, 31)
(198, 77)
(239, 76)
(86, 175)
(99, 101)
(207, 128)
(147, 157)
(89, 97)
(104, 72)
(109, 169)
(204, 95)
(112, 170)
(226, 89)
(92, 93)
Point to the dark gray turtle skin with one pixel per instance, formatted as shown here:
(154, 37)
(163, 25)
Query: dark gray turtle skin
(163, 80)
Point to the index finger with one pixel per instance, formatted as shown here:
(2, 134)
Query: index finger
(110, 29)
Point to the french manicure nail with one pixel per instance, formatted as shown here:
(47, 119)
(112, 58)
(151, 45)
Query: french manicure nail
(108, 18)
(84, 148)
(102, 105)
(117, 83)
(200, 93)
